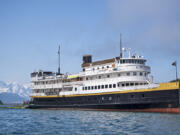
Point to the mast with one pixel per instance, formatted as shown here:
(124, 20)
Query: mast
(59, 60)
(121, 45)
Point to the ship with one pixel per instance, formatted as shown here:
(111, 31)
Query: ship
(123, 83)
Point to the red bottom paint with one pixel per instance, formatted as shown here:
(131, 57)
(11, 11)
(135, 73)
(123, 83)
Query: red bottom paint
(155, 110)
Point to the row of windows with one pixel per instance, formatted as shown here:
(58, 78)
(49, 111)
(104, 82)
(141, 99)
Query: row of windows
(47, 82)
(99, 87)
(104, 67)
(47, 90)
(112, 86)
(121, 74)
(132, 61)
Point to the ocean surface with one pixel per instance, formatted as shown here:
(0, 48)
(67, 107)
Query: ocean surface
(69, 122)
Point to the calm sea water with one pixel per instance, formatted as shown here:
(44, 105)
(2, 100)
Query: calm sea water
(67, 122)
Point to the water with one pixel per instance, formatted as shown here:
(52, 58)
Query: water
(67, 122)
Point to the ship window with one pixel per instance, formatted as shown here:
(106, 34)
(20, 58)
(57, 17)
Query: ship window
(118, 85)
(97, 68)
(136, 83)
(141, 84)
(99, 77)
(108, 76)
(82, 88)
(110, 85)
(119, 74)
(84, 69)
(131, 84)
(107, 66)
(106, 86)
(99, 86)
(128, 74)
(130, 61)
(134, 73)
(122, 84)
(86, 78)
(95, 87)
(85, 88)
(92, 87)
(75, 89)
(140, 73)
(114, 85)
(127, 84)
(123, 61)
(102, 86)
(102, 67)
(89, 87)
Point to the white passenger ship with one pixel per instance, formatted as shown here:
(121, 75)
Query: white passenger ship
(117, 84)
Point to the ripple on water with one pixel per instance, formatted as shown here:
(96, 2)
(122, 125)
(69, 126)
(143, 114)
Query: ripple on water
(38, 122)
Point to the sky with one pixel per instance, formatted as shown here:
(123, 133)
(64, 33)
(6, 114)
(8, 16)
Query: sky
(31, 31)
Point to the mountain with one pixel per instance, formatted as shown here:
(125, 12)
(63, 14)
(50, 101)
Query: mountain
(13, 92)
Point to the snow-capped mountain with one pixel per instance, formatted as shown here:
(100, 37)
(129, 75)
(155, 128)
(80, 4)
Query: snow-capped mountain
(12, 91)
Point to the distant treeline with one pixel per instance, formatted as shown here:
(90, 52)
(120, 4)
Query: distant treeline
(175, 80)
(1, 103)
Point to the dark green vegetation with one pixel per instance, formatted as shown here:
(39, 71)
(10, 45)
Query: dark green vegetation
(1, 103)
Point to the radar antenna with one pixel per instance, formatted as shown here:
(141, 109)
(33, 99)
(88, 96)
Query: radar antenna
(59, 60)
(121, 45)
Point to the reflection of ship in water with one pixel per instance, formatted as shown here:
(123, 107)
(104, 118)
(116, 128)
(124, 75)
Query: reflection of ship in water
(121, 84)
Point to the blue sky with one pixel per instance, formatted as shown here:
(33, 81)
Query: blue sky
(30, 32)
